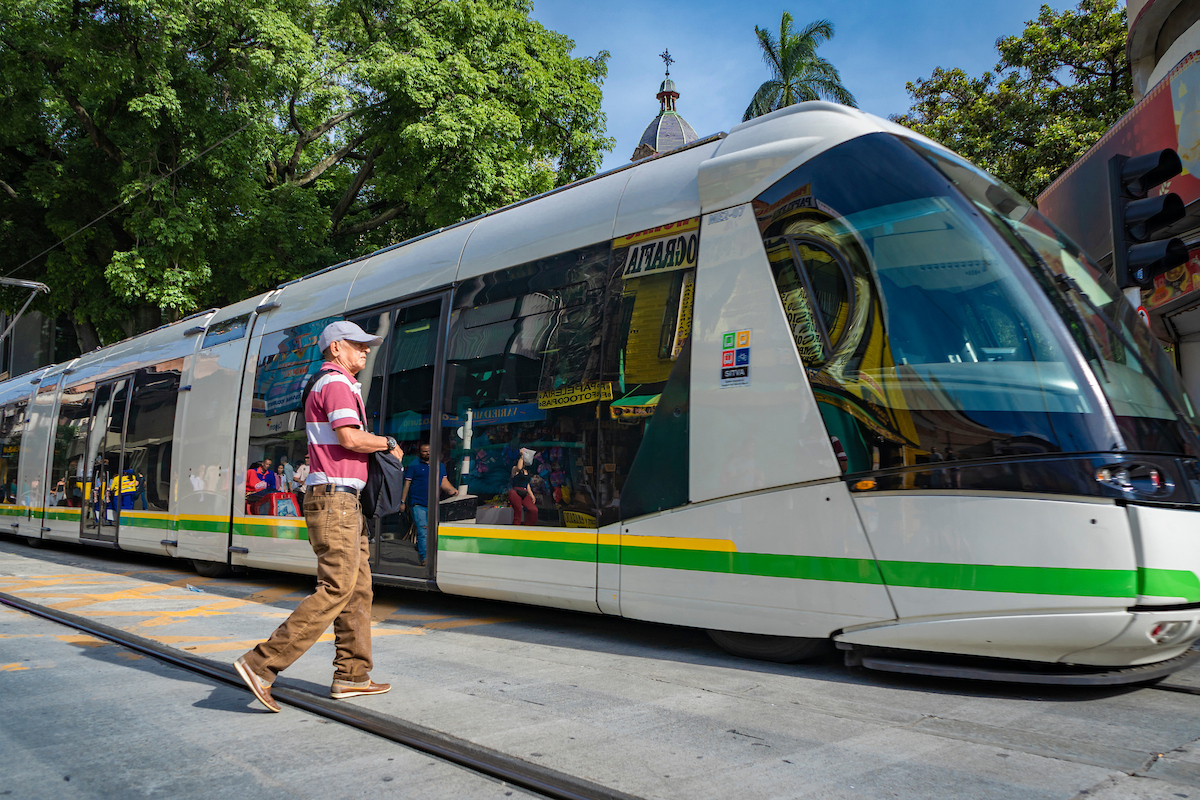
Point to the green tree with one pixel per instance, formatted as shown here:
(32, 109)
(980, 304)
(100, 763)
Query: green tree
(797, 72)
(255, 142)
(1056, 89)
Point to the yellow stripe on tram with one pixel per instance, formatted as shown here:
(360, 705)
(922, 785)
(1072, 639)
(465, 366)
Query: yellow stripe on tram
(572, 536)
(679, 543)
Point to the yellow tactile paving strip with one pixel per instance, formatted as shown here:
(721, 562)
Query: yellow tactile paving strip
(164, 605)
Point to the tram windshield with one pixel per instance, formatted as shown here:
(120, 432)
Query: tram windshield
(928, 328)
(1133, 371)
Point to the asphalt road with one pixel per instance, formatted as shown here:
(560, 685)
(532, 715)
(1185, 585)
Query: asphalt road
(654, 711)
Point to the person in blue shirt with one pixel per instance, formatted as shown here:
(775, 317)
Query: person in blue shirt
(416, 484)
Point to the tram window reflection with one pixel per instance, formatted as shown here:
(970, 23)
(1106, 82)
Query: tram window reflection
(70, 442)
(934, 345)
(12, 426)
(148, 438)
(286, 360)
(524, 362)
(644, 450)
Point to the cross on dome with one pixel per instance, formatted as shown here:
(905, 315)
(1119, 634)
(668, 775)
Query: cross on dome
(668, 130)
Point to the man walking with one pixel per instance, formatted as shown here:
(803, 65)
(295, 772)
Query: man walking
(338, 448)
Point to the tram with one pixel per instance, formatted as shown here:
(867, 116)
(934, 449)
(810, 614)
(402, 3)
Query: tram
(815, 380)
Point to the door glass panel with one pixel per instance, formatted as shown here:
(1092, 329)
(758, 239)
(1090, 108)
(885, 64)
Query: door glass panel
(110, 489)
(68, 486)
(402, 385)
(277, 456)
(11, 419)
(524, 393)
(148, 436)
(12, 425)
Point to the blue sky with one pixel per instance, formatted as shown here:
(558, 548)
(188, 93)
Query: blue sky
(878, 45)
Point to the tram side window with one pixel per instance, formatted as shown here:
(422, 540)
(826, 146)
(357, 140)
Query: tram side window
(278, 446)
(523, 368)
(12, 425)
(148, 435)
(228, 331)
(67, 467)
(644, 450)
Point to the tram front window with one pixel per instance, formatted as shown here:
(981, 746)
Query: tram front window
(1128, 363)
(925, 337)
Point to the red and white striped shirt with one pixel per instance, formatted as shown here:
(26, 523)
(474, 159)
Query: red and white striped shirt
(335, 401)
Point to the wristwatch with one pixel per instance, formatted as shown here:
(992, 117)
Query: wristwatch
(392, 444)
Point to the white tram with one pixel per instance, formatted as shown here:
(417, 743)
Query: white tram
(817, 379)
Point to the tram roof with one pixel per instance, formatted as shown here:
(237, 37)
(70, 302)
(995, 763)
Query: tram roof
(715, 172)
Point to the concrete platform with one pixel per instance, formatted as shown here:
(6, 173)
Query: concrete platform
(85, 718)
(651, 710)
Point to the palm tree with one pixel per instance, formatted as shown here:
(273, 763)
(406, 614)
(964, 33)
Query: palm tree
(799, 74)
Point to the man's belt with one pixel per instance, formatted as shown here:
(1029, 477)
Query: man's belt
(327, 488)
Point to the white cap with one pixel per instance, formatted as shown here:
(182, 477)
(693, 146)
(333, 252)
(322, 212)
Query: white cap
(348, 331)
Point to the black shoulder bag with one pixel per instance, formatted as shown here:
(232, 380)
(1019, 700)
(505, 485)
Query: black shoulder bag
(385, 475)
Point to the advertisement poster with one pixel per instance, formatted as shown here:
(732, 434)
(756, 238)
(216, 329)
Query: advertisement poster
(1168, 116)
(284, 374)
(1175, 283)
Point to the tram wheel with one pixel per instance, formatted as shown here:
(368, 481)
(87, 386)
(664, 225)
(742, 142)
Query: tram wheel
(35, 543)
(784, 649)
(211, 569)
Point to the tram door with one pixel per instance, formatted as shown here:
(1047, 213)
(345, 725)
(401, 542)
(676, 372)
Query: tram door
(104, 479)
(398, 387)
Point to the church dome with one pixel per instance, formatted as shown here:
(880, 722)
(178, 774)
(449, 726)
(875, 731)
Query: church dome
(668, 130)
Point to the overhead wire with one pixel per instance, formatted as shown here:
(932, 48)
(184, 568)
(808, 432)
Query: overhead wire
(133, 197)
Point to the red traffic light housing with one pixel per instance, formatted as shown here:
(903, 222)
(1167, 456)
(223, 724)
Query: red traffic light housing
(1137, 256)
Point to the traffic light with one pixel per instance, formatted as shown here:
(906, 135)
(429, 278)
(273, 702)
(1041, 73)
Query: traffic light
(1137, 256)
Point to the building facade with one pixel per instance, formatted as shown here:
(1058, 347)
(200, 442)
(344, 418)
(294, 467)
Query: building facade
(1163, 49)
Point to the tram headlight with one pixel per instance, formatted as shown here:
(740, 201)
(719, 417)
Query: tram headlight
(1143, 479)
(1168, 632)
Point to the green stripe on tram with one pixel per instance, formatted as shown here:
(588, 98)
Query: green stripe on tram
(1011, 579)
(813, 568)
(269, 531)
(1169, 583)
(161, 523)
(1064, 581)
(560, 551)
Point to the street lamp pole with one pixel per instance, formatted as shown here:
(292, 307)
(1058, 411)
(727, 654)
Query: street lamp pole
(34, 287)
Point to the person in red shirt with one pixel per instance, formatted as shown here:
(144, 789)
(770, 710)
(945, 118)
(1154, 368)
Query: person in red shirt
(338, 448)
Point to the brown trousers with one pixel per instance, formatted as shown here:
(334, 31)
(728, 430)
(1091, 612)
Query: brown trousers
(343, 595)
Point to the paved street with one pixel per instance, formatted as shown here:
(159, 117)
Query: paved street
(650, 710)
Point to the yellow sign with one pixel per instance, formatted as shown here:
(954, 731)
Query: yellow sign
(575, 519)
(677, 251)
(590, 392)
(634, 412)
(684, 328)
(670, 229)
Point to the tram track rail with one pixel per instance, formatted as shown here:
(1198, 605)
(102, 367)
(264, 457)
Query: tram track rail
(509, 769)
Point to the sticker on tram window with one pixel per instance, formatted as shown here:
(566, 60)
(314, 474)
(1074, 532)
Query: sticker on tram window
(735, 358)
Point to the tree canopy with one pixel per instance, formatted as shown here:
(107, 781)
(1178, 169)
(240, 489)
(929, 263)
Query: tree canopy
(1056, 89)
(797, 72)
(255, 142)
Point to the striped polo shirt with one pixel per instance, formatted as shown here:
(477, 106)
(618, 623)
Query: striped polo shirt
(335, 401)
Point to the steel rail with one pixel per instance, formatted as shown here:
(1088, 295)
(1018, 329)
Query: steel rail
(1174, 688)
(485, 761)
